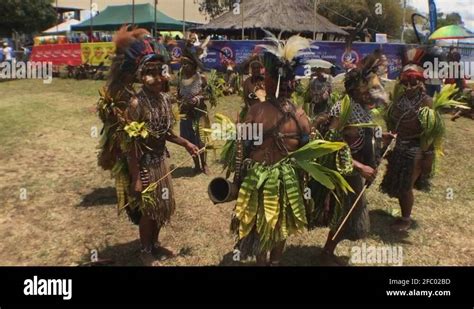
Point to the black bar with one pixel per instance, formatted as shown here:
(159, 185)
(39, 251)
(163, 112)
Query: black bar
(283, 285)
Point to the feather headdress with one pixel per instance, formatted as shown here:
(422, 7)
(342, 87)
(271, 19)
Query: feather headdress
(195, 51)
(281, 58)
(132, 45)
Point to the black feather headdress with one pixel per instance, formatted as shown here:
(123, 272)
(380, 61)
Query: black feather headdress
(282, 58)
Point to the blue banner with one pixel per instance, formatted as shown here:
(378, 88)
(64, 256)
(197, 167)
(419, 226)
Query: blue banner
(220, 53)
(433, 16)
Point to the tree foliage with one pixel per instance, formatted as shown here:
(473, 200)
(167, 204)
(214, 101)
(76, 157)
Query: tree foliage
(215, 8)
(26, 16)
(384, 16)
(449, 19)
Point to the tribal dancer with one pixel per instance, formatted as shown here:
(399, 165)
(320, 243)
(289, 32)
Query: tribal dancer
(409, 164)
(145, 122)
(263, 215)
(358, 164)
(191, 94)
(320, 90)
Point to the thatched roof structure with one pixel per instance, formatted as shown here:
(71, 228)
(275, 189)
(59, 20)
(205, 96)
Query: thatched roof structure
(291, 16)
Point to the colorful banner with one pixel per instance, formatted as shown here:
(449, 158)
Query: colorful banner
(58, 54)
(335, 52)
(220, 52)
(97, 53)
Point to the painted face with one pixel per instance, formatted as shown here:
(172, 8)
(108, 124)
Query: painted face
(152, 77)
(374, 92)
(412, 86)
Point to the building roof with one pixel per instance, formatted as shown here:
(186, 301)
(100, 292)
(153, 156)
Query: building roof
(113, 17)
(296, 16)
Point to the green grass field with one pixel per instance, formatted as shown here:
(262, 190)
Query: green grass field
(48, 153)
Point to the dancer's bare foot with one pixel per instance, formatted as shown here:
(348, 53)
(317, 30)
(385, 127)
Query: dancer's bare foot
(401, 225)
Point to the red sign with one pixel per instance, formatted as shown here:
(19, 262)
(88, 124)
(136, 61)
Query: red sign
(58, 54)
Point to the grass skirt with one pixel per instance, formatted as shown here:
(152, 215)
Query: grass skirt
(401, 164)
(159, 204)
(358, 224)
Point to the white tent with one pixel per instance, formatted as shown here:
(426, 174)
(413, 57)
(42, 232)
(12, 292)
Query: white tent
(63, 27)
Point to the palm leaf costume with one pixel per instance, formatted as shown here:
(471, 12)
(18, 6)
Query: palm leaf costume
(271, 205)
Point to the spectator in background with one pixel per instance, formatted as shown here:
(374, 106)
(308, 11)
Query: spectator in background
(454, 58)
(433, 85)
(26, 53)
(7, 52)
(366, 36)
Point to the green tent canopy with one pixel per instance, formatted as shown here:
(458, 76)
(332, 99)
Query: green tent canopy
(113, 17)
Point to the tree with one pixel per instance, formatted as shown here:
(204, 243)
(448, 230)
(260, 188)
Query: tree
(26, 16)
(450, 19)
(384, 16)
(215, 8)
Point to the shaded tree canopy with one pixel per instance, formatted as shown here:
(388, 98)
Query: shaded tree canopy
(215, 8)
(384, 16)
(26, 16)
(449, 19)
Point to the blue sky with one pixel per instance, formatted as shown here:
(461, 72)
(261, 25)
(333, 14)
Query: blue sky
(463, 7)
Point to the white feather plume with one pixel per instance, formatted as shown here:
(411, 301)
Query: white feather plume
(294, 46)
(339, 78)
(285, 51)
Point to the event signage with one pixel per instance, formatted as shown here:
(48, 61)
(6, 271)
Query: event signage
(58, 54)
(222, 53)
(98, 53)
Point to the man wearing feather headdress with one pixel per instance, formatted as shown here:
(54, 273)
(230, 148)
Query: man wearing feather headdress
(137, 125)
(351, 122)
(410, 163)
(191, 95)
(265, 219)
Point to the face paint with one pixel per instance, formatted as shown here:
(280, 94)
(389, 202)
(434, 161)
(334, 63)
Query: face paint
(376, 92)
(149, 80)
